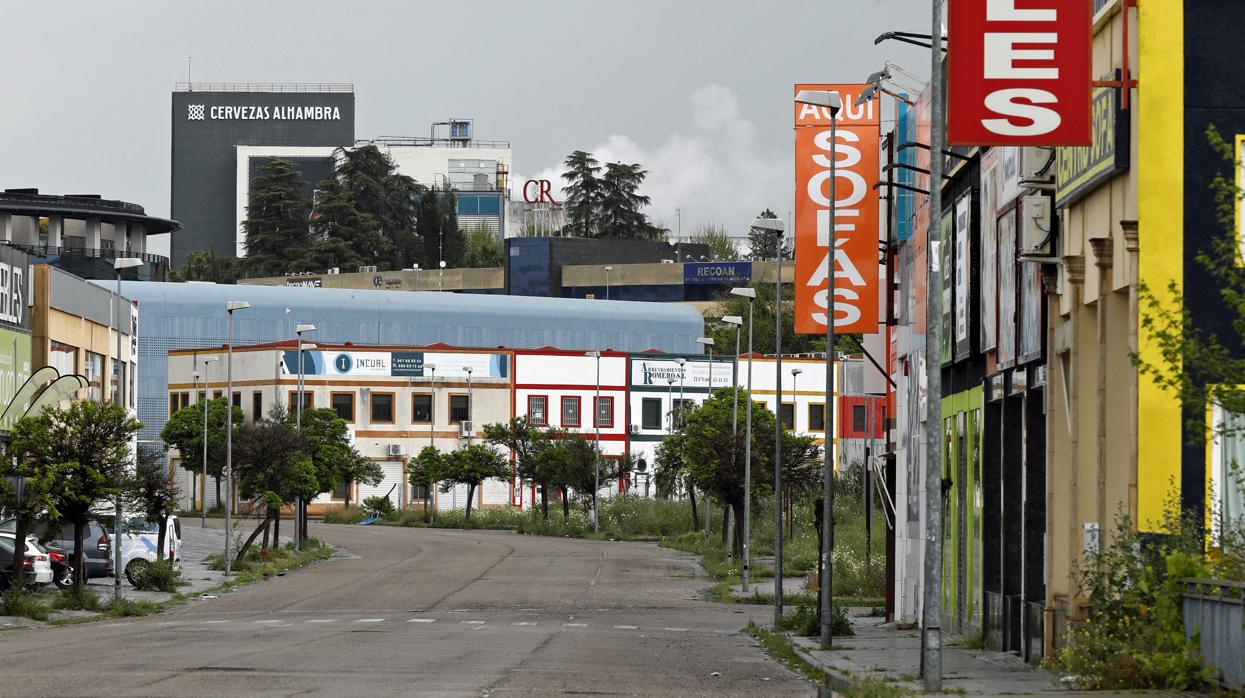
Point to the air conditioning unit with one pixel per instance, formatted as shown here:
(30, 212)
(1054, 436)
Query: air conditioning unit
(367, 269)
(334, 270)
(1037, 166)
(466, 429)
(395, 449)
(635, 428)
(1036, 229)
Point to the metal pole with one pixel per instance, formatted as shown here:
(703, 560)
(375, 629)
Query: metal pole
(203, 487)
(472, 427)
(298, 426)
(827, 475)
(708, 504)
(432, 433)
(778, 431)
(228, 437)
(931, 634)
(596, 476)
(116, 554)
(730, 511)
(748, 458)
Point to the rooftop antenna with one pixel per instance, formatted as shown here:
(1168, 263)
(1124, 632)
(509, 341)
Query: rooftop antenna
(188, 68)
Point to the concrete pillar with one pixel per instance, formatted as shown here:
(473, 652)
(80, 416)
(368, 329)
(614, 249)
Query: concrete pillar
(121, 237)
(56, 226)
(92, 234)
(6, 227)
(138, 238)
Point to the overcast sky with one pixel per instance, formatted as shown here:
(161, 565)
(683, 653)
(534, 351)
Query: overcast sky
(698, 92)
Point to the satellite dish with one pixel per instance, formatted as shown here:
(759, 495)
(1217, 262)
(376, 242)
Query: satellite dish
(641, 465)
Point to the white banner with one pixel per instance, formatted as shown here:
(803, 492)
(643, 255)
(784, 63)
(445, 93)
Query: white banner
(694, 374)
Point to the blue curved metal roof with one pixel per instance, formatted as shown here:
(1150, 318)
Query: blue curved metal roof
(189, 315)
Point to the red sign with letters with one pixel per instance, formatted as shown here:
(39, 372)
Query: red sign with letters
(1018, 72)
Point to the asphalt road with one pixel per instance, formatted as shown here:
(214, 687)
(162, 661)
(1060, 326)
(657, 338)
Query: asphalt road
(424, 612)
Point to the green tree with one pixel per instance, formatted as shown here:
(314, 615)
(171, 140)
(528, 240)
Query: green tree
(152, 492)
(482, 248)
(376, 189)
(276, 219)
(273, 463)
(85, 449)
(763, 244)
(423, 471)
(436, 219)
(471, 466)
(184, 432)
(715, 459)
(342, 235)
(326, 441)
(670, 467)
(527, 445)
(204, 265)
(583, 191)
(621, 216)
(721, 247)
(35, 500)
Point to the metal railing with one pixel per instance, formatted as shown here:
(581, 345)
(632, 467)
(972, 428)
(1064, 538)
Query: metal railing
(93, 252)
(264, 87)
(1214, 610)
(427, 142)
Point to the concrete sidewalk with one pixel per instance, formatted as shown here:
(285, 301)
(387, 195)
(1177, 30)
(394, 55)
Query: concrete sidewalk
(883, 652)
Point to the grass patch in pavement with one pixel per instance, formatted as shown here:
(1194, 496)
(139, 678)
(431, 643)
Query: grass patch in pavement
(19, 602)
(780, 647)
(261, 564)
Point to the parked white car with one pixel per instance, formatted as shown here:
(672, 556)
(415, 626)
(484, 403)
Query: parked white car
(40, 564)
(139, 539)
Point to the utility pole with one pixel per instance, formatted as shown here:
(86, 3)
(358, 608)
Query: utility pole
(931, 623)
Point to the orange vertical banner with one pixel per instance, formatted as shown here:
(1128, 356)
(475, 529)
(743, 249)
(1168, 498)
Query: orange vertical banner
(856, 213)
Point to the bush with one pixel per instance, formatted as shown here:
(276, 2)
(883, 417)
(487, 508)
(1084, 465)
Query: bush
(125, 607)
(1132, 636)
(19, 602)
(79, 599)
(377, 506)
(158, 576)
(804, 622)
(345, 515)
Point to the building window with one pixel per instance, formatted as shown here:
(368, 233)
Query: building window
(343, 405)
(308, 401)
(217, 393)
(816, 417)
(605, 412)
(681, 408)
(257, 406)
(341, 490)
(570, 411)
(786, 413)
(460, 410)
(650, 413)
(118, 381)
(63, 358)
(859, 419)
(537, 415)
(1227, 486)
(94, 376)
(382, 408)
(177, 401)
(421, 408)
(237, 400)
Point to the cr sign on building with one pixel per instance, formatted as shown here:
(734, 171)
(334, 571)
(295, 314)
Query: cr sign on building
(1018, 72)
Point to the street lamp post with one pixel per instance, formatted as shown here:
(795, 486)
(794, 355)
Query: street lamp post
(432, 433)
(775, 225)
(206, 404)
(738, 322)
(596, 422)
(750, 294)
(831, 101)
(441, 276)
(471, 427)
(230, 307)
(119, 265)
(708, 342)
(298, 426)
(608, 269)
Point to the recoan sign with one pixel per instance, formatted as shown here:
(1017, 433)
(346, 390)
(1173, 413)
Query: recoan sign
(1018, 72)
(856, 214)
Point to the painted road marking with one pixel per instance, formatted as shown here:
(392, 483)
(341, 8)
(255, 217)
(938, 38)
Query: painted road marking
(525, 622)
(211, 622)
(473, 622)
(676, 630)
(265, 621)
(322, 620)
(370, 620)
(422, 620)
(626, 627)
(574, 625)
